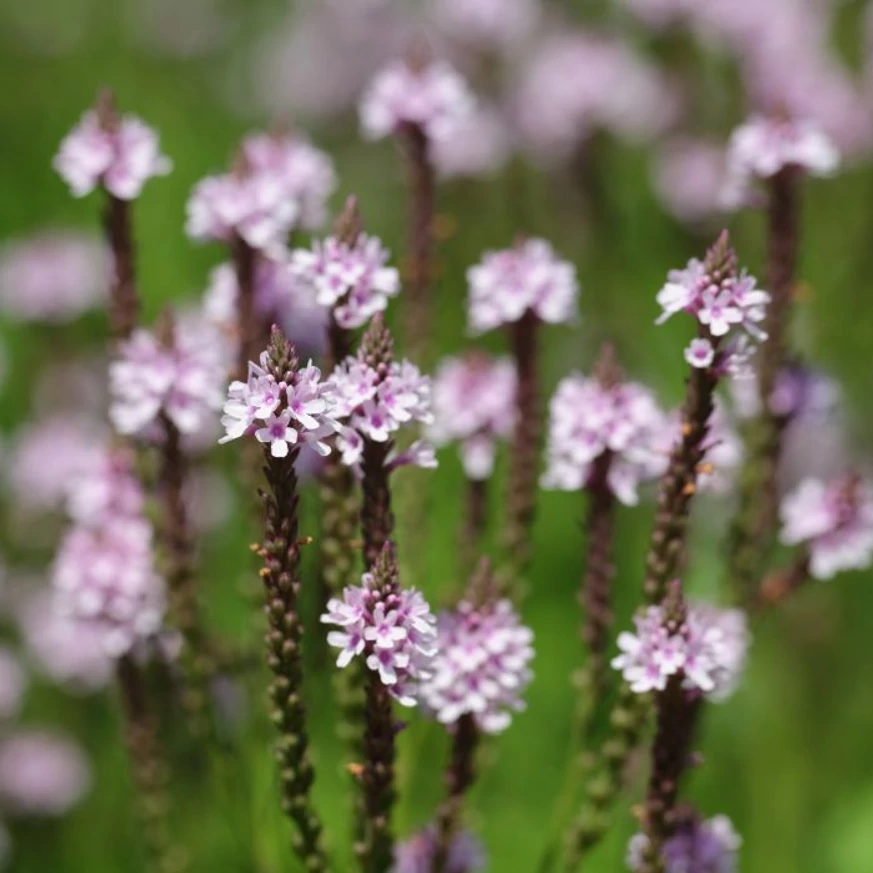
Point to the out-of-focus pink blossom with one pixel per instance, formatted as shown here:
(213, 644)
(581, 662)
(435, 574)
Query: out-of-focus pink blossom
(53, 276)
(689, 176)
(529, 277)
(121, 159)
(486, 24)
(41, 773)
(431, 96)
(479, 145)
(697, 846)
(416, 853)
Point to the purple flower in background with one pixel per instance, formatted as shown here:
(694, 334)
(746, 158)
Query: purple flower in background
(431, 96)
(304, 173)
(708, 650)
(689, 176)
(376, 405)
(12, 683)
(529, 277)
(279, 299)
(724, 453)
(479, 145)
(482, 666)
(185, 382)
(53, 276)
(474, 405)
(834, 520)
(107, 489)
(762, 147)
(697, 846)
(41, 773)
(122, 160)
(395, 634)
(587, 419)
(353, 281)
(281, 414)
(486, 24)
(416, 853)
(253, 206)
(74, 443)
(728, 308)
(66, 650)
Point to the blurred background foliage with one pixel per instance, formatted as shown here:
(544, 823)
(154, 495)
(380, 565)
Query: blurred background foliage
(789, 758)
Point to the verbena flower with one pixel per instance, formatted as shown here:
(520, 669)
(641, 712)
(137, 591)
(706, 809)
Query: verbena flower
(395, 635)
(53, 276)
(280, 414)
(480, 145)
(104, 573)
(353, 281)
(278, 297)
(253, 206)
(474, 405)
(762, 147)
(482, 665)
(305, 173)
(185, 382)
(527, 277)
(728, 308)
(709, 846)
(587, 419)
(416, 853)
(431, 96)
(834, 520)
(41, 773)
(708, 650)
(377, 403)
(122, 159)
(13, 680)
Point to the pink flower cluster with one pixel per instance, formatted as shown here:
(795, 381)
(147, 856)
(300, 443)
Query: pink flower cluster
(487, 24)
(122, 159)
(375, 404)
(526, 278)
(480, 145)
(395, 633)
(732, 307)
(431, 96)
(709, 846)
(279, 414)
(104, 573)
(185, 382)
(586, 419)
(482, 666)
(353, 281)
(762, 147)
(834, 520)
(304, 173)
(416, 854)
(474, 405)
(53, 276)
(708, 650)
(279, 299)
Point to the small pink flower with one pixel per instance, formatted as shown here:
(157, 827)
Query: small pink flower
(700, 353)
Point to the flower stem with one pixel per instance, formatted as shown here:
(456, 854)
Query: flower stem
(475, 522)
(248, 324)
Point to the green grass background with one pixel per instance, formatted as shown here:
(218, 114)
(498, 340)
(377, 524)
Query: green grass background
(789, 758)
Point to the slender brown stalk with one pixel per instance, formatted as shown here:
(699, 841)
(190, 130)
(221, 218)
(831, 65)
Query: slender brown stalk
(459, 776)
(524, 455)
(245, 260)
(281, 578)
(148, 769)
(781, 584)
(475, 522)
(756, 520)
(377, 848)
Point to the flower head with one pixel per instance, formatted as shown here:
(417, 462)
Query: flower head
(727, 306)
(528, 277)
(352, 280)
(474, 405)
(762, 147)
(707, 649)
(482, 665)
(834, 520)
(183, 379)
(52, 276)
(587, 419)
(121, 154)
(391, 628)
(416, 853)
(697, 846)
(298, 408)
(430, 96)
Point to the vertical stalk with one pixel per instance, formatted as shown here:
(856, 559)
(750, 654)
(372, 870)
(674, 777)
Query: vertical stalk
(245, 260)
(475, 522)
